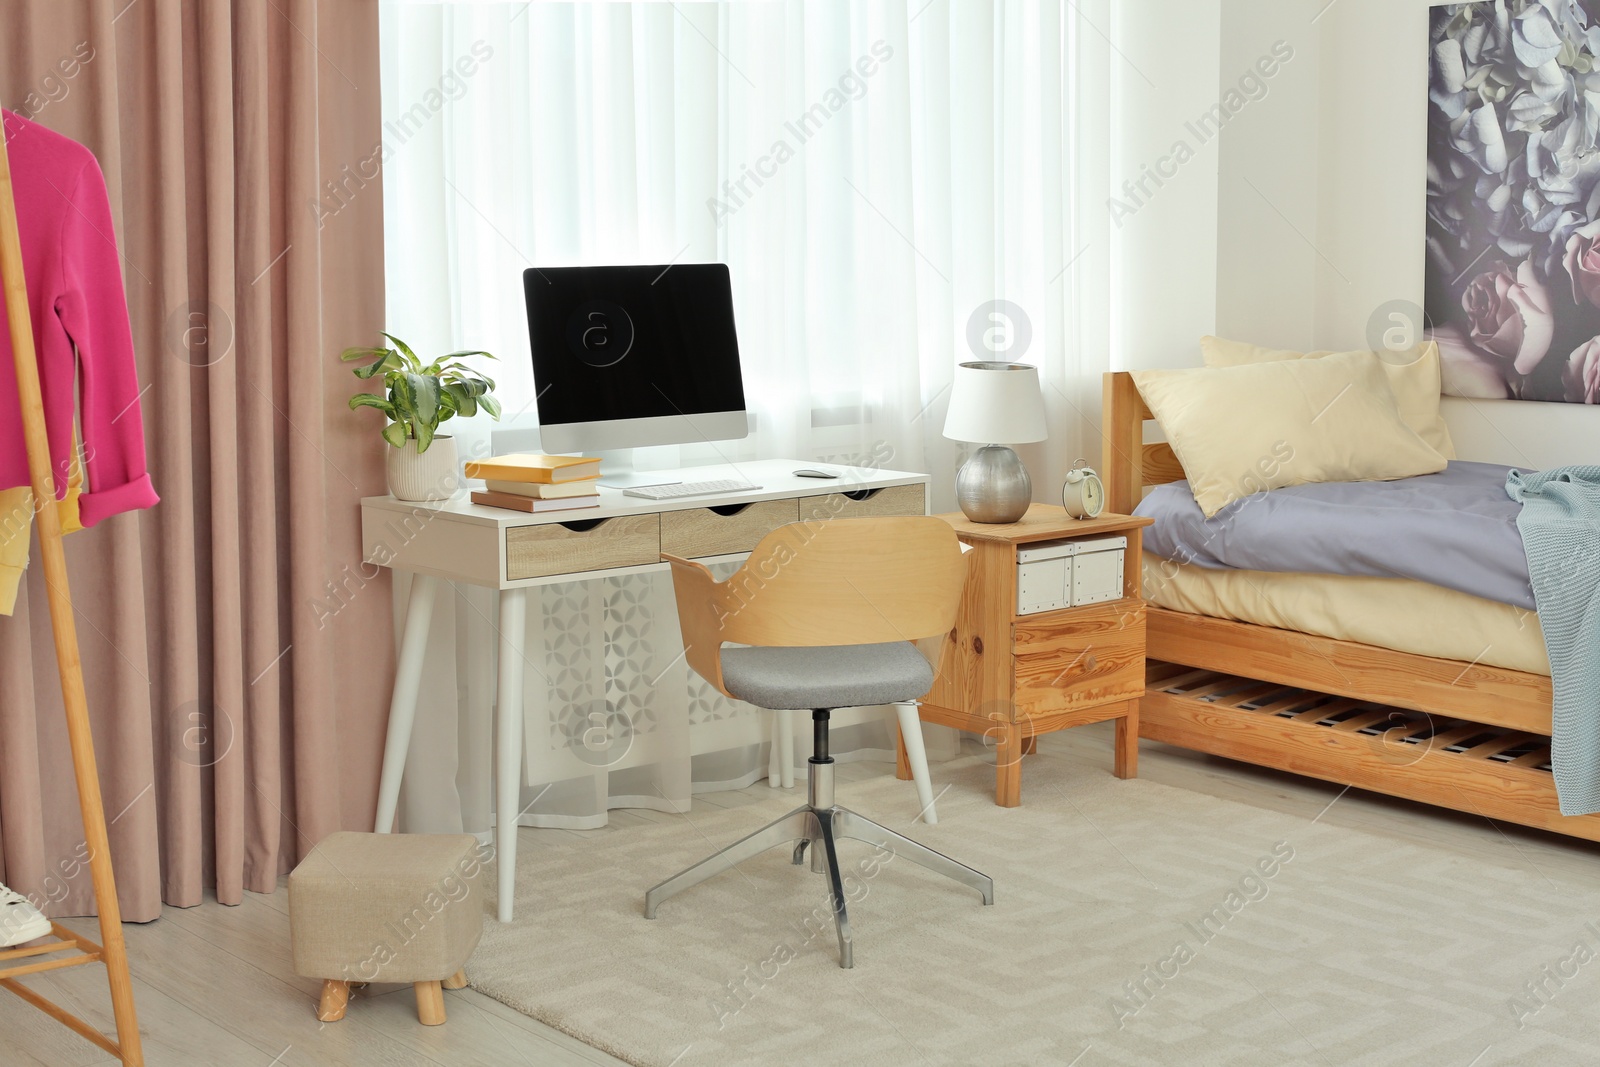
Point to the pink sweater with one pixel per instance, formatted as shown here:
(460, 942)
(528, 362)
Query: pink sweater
(80, 326)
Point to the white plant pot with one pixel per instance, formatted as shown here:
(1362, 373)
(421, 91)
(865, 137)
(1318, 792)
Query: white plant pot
(430, 475)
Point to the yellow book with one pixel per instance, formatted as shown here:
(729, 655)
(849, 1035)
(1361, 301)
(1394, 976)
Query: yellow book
(529, 467)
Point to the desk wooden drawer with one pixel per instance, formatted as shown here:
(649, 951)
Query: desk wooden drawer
(582, 545)
(1080, 657)
(895, 500)
(714, 531)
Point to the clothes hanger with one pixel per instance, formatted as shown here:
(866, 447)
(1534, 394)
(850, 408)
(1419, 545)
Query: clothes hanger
(67, 948)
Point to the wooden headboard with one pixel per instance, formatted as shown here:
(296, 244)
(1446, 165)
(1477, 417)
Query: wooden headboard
(1127, 464)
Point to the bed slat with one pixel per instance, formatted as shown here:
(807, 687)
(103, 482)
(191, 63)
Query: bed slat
(1324, 708)
(1496, 746)
(1244, 695)
(1356, 723)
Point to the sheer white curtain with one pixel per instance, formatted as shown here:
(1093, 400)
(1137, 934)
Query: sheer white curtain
(895, 188)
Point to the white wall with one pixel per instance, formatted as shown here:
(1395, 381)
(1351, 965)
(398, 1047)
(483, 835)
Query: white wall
(1164, 259)
(1267, 266)
(1338, 149)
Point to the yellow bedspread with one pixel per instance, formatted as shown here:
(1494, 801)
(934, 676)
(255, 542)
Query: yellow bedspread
(1396, 613)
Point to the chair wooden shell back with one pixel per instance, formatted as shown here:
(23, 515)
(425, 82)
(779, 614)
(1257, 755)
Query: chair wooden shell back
(833, 582)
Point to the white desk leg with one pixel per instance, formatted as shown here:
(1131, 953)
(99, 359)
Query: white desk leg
(917, 756)
(508, 742)
(775, 753)
(403, 704)
(786, 735)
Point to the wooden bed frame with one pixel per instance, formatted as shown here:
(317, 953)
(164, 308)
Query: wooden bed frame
(1460, 735)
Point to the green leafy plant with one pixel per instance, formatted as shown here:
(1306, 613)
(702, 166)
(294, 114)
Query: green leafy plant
(419, 396)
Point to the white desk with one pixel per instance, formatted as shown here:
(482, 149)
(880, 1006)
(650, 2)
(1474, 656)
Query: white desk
(511, 551)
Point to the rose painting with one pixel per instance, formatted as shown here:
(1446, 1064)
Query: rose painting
(1513, 261)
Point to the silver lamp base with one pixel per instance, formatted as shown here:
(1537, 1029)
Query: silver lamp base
(993, 486)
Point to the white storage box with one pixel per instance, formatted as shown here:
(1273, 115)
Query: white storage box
(1063, 574)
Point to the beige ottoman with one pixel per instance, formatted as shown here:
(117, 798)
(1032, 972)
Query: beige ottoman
(387, 908)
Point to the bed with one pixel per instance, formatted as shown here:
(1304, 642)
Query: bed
(1234, 669)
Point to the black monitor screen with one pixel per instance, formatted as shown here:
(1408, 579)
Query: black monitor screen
(632, 342)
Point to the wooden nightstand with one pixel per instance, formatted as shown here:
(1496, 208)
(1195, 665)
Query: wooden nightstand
(1012, 677)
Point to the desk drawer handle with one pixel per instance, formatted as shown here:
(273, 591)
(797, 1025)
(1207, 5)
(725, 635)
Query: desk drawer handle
(581, 525)
(728, 510)
(860, 494)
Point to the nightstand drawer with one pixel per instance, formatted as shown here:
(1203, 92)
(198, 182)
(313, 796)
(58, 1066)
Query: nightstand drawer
(864, 503)
(714, 531)
(1080, 657)
(582, 545)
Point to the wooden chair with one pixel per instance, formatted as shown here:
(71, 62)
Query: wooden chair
(829, 614)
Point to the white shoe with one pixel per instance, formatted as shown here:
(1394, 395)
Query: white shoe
(19, 920)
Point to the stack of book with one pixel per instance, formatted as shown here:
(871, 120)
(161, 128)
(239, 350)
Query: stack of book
(533, 483)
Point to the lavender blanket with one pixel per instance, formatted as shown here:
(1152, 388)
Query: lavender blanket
(1457, 528)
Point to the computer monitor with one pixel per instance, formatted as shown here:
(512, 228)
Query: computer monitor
(630, 356)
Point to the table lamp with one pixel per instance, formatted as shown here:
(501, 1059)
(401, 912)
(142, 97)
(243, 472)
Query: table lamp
(996, 405)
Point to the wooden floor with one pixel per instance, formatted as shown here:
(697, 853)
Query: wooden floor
(215, 986)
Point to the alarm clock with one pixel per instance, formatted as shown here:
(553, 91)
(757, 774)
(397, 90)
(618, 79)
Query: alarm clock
(1083, 494)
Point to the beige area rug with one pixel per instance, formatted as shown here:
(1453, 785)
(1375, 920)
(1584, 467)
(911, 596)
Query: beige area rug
(1133, 924)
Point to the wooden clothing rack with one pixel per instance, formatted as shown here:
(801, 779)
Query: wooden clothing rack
(65, 948)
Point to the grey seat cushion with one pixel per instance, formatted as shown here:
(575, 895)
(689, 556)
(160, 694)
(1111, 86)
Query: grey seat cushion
(828, 676)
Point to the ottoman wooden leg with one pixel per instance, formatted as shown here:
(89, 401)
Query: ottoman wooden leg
(456, 981)
(430, 1003)
(335, 998)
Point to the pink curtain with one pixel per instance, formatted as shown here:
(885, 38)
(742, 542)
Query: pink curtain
(238, 657)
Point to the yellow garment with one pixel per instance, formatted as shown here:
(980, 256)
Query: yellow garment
(16, 525)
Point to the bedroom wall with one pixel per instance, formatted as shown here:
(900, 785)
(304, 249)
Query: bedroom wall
(1338, 148)
(1164, 236)
(1267, 192)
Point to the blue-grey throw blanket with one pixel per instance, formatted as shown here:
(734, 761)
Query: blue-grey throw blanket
(1560, 526)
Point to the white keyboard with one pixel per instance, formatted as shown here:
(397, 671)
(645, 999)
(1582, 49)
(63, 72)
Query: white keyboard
(683, 489)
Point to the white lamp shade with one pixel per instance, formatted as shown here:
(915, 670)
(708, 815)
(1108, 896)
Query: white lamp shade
(996, 404)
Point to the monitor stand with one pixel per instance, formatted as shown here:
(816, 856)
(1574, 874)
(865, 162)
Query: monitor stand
(617, 472)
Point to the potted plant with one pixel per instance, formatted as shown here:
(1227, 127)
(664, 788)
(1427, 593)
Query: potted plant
(417, 398)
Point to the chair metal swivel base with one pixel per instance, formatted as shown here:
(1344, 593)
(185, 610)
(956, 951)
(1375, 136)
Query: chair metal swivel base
(820, 823)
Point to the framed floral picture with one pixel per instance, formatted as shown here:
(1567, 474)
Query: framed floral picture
(1513, 230)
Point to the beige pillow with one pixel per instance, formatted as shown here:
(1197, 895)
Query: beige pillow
(1413, 375)
(1240, 430)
